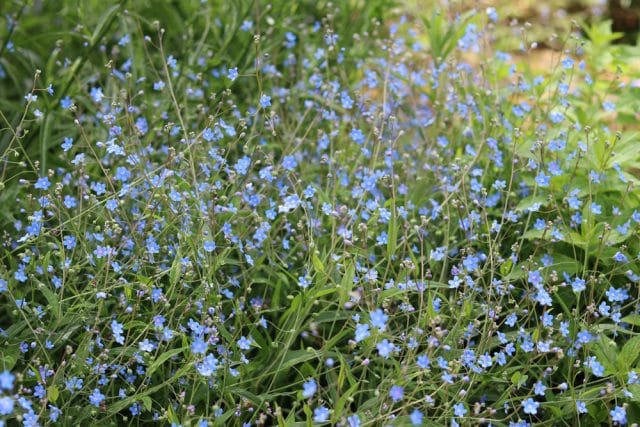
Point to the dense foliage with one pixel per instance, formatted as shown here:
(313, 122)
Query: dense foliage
(223, 218)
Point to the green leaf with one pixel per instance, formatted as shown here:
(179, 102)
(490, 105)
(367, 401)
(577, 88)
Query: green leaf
(163, 358)
(607, 353)
(146, 402)
(52, 300)
(317, 264)
(297, 357)
(632, 319)
(629, 353)
(518, 379)
(105, 21)
(176, 269)
(10, 356)
(392, 233)
(52, 393)
(505, 267)
(346, 284)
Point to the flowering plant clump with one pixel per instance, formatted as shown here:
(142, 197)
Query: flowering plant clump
(403, 227)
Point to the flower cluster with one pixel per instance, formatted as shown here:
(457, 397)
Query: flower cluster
(395, 237)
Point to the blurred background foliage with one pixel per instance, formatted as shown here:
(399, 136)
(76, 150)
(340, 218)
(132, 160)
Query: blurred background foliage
(67, 39)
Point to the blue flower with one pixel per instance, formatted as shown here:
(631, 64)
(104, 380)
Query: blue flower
(357, 136)
(208, 366)
(385, 348)
(265, 101)
(416, 417)
(617, 295)
(567, 63)
(244, 343)
(619, 415)
(362, 332)
(578, 285)
(117, 329)
(321, 414)
(492, 14)
(232, 73)
(6, 380)
(289, 163)
(309, 388)
(66, 102)
(530, 406)
(596, 367)
(620, 257)
(146, 345)
(423, 361)
(542, 180)
(6, 405)
(539, 388)
(581, 407)
(42, 183)
(304, 282)
(96, 398)
(459, 410)
(396, 393)
(378, 319)
(353, 421)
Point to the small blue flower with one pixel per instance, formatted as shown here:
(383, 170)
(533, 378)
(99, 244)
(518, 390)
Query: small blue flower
(578, 285)
(385, 348)
(96, 398)
(309, 388)
(265, 101)
(244, 343)
(617, 295)
(232, 73)
(67, 144)
(423, 361)
(567, 63)
(619, 415)
(379, 319)
(66, 102)
(620, 257)
(530, 406)
(117, 329)
(321, 414)
(199, 346)
(362, 332)
(459, 410)
(304, 282)
(542, 180)
(6, 405)
(289, 163)
(416, 417)
(492, 14)
(6, 380)
(42, 183)
(596, 367)
(208, 366)
(581, 407)
(353, 421)
(396, 393)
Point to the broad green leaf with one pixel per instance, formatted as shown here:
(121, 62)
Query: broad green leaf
(629, 353)
(163, 358)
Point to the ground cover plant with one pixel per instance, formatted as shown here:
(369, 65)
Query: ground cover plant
(213, 215)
